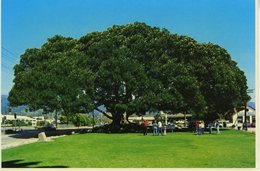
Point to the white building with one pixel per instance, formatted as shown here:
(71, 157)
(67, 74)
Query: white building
(138, 119)
(25, 119)
(239, 117)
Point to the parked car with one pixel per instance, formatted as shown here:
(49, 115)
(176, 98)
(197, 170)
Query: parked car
(46, 128)
(229, 124)
(224, 124)
(247, 124)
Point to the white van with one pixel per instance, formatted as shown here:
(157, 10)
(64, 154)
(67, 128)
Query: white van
(224, 124)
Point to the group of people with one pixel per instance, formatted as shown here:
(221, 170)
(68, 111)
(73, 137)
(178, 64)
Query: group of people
(158, 127)
(200, 125)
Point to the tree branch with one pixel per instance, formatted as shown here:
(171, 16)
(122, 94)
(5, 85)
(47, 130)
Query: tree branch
(104, 113)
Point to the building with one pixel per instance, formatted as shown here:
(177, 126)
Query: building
(179, 119)
(239, 117)
(138, 119)
(25, 119)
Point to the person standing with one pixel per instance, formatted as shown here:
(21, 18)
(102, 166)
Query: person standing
(199, 127)
(160, 127)
(170, 126)
(164, 129)
(145, 124)
(202, 127)
(217, 125)
(155, 129)
(173, 125)
(210, 127)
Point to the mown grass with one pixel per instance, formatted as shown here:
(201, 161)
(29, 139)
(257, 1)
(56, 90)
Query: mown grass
(230, 149)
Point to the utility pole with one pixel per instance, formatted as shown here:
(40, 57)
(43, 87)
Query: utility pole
(245, 121)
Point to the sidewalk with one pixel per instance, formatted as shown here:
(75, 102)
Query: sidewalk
(14, 140)
(8, 142)
(250, 130)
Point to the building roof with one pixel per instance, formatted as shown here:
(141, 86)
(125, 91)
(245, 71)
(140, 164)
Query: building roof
(140, 117)
(179, 115)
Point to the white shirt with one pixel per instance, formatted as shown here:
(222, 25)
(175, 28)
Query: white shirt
(159, 124)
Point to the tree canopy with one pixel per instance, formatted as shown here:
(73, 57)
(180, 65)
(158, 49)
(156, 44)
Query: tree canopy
(132, 69)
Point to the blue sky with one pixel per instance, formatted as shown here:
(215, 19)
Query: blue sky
(228, 23)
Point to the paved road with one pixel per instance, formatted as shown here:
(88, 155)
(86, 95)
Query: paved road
(8, 141)
(31, 136)
(250, 129)
(14, 140)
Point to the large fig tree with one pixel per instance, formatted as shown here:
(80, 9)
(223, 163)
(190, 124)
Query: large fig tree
(129, 69)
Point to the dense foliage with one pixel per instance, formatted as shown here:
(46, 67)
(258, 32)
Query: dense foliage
(78, 119)
(129, 69)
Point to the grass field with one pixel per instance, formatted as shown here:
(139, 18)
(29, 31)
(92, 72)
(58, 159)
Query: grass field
(230, 149)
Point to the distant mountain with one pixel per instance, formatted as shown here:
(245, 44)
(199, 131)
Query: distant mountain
(102, 108)
(5, 105)
(20, 110)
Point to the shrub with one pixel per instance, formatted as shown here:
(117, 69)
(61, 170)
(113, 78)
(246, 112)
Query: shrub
(40, 123)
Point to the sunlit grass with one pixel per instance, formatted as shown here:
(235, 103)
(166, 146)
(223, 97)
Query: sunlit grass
(230, 149)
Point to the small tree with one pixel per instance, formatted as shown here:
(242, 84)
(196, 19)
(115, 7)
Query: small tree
(81, 120)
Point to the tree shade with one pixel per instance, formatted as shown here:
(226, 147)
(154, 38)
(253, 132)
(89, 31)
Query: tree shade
(134, 68)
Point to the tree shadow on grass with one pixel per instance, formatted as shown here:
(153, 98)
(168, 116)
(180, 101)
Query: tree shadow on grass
(20, 164)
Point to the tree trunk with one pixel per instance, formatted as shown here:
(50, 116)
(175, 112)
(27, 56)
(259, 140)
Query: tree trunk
(127, 119)
(116, 124)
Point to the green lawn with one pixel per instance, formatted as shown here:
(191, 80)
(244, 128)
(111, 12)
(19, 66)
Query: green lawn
(230, 149)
